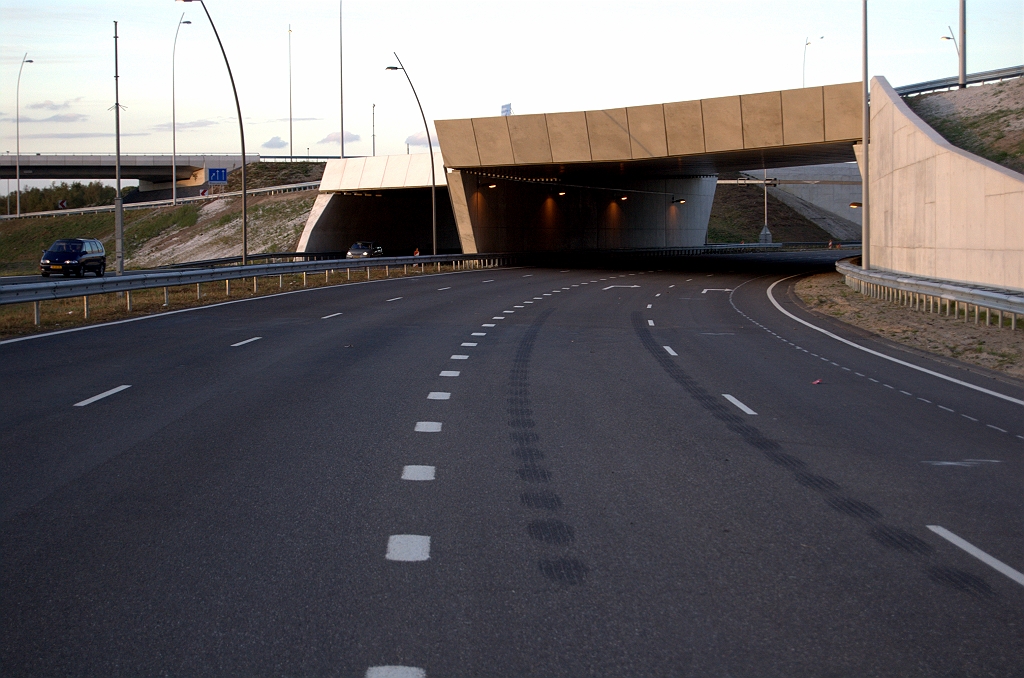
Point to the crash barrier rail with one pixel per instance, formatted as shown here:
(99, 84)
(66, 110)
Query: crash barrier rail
(269, 190)
(936, 296)
(971, 79)
(230, 261)
(66, 289)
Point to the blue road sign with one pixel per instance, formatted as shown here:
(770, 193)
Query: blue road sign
(217, 176)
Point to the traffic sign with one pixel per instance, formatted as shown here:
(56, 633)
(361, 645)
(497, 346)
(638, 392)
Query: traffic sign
(62, 204)
(217, 176)
(203, 192)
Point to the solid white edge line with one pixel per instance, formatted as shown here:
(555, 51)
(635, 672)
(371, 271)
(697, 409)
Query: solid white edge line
(883, 355)
(89, 401)
(247, 341)
(995, 564)
(738, 404)
(668, 349)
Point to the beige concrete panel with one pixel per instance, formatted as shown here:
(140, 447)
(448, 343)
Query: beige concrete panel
(570, 141)
(396, 172)
(843, 105)
(458, 143)
(331, 180)
(994, 225)
(723, 124)
(351, 174)
(1013, 217)
(492, 141)
(609, 134)
(647, 131)
(529, 135)
(803, 116)
(460, 206)
(419, 170)
(684, 127)
(319, 216)
(762, 119)
(373, 171)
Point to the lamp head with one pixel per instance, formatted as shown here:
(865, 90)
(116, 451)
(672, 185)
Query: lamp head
(186, 22)
(29, 61)
(392, 68)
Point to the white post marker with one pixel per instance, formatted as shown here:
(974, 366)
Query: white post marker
(994, 563)
(428, 427)
(408, 547)
(417, 473)
(668, 349)
(738, 404)
(395, 672)
(89, 401)
(247, 341)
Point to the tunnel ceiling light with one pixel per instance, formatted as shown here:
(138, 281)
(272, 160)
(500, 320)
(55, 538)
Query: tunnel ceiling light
(855, 205)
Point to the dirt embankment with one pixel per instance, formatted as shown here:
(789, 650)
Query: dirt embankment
(737, 215)
(987, 120)
(997, 349)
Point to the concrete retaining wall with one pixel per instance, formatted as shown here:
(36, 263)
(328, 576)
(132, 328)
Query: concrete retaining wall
(936, 210)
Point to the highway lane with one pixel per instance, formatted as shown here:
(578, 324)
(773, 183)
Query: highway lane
(597, 506)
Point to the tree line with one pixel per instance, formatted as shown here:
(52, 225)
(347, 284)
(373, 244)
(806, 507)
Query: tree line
(76, 194)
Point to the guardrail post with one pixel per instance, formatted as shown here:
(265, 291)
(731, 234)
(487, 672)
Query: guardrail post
(128, 298)
(167, 298)
(85, 305)
(38, 319)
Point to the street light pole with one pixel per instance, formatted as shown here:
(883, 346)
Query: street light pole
(174, 118)
(241, 132)
(341, 73)
(17, 133)
(962, 51)
(118, 202)
(291, 147)
(430, 146)
(807, 43)
(373, 127)
(865, 178)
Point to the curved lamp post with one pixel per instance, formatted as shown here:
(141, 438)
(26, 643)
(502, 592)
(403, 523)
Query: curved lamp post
(174, 121)
(430, 145)
(241, 131)
(807, 43)
(17, 127)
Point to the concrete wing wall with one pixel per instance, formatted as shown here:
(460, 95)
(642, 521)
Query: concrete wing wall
(752, 121)
(381, 172)
(937, 210)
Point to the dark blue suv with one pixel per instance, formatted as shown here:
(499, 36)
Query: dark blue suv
(74, 255)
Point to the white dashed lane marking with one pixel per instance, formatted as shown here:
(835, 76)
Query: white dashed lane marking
(460, 357)
(408, 547)
(649, 305)
(479, 334)
(442, 289)
(417, 473)
(395, 672)
(498, 317)
(486, 281)
(469, 343)
(428, 427)
(439, 395)
(449, 373)
(488, 325)
(994, 563)
(89, 401)
(737, 403)
(668, 349)
(395, 299)
(247, 341)
(650, 323)
(333, 315)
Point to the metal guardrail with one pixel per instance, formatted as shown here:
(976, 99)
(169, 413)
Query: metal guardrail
(66, 289)
(269, 190)
(933, 296)
(972, 79)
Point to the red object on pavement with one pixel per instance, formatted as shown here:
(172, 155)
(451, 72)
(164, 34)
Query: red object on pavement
(816, 382)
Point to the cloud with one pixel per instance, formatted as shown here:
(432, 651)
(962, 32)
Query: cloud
(51, 106)
(276, 142)
(420, 139)
(334, 138)
(193, 124)
(59, 117)
(82, 135)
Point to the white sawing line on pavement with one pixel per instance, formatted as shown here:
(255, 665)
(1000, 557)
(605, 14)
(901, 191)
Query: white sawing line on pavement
(912, 366)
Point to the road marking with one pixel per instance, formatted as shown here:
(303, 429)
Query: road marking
(847, 369)
(439, 395)
(417, 473)
(442, 289)
(715, 289)
(738, 404)
(395, 672)
(924, 400)
(479, 334)
(668, 349)
(874, 380)
(460, 357)
(525, 302)
(943, 407)
(671, 286)
(539, 298)
(449, 373)
(408, 547)
(468, 343)
(333, 315)
(887, 386)
(556, 291)
(857, 373)
(486, 281)
(906, 392)
(996, 428)
(528, 275)
(395, 299)
(488, 325)
(658, 294)
(498, 317)
(883, 355)
(650, 323)
(508, 311)
(546, 294)
(627, 287)
(89, 401)
(247, 341)
(428, 427)
(649, 305)
(689, 279)
(966, 417)
(995, 564)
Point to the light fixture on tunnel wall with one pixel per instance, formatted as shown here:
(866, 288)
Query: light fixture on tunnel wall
(856, 205)
(561, 193)
(492, 186)
(679, 201)
(625, 197)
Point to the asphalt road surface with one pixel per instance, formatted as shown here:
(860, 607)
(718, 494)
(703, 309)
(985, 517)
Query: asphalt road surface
(519, 472)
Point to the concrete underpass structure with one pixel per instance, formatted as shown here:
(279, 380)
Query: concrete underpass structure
(624, 178)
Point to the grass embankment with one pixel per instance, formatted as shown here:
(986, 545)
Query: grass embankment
(737, 215)
(987, 120)
(990, 347)
(18, 319)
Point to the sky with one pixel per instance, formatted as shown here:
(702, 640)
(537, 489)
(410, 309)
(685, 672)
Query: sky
(466, 59)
